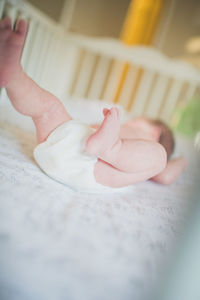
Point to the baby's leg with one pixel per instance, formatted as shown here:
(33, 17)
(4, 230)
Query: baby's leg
(134, 156)
(109, 176)
(171, 172)
(26, 96)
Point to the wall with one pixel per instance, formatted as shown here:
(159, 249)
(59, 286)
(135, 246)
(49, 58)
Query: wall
(99, 17)
(49, 7)
(184, 23)
(91, 17)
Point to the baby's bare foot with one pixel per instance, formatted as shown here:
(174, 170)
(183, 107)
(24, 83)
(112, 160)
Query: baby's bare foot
(107, 135)
(11, 47)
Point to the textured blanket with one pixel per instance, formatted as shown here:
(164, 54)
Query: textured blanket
(57, 244)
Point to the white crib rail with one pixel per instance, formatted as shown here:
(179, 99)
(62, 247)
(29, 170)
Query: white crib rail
(153, 84)
(77, 66)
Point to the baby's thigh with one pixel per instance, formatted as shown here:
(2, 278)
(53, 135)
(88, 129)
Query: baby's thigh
(107, 175)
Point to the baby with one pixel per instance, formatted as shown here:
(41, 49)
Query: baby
(134, 152)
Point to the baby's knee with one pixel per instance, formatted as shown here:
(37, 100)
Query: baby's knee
(155, 157)
(107, 176)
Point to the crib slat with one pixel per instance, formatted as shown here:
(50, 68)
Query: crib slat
(52, 67)
(155, 102)
(171, 100)
(190, 92)
(64, 71)
(92, 72)
(22, 15)
(46, 60)
(78, 66)
(99, 78)
(68, 69)
(11, 12)
(128, 86)
(28, 45)
(72, 59)
(30, 55)
(85, 74)
(2, 5)
(62, 65)
(43, 48)
(37, 51)
(113, 81)
(143, 93)
(57, 67)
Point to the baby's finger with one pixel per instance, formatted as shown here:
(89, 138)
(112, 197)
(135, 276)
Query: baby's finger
(21, 26)
(6, 23)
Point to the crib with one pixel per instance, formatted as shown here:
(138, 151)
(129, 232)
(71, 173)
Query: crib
(140, 79)
(57, 244)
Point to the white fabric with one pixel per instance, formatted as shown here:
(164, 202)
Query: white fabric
(59, 244)
(64, 158)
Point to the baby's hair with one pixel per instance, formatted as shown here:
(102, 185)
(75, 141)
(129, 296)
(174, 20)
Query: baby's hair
(166, 138)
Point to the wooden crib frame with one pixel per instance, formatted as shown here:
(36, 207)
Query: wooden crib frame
(71, 65)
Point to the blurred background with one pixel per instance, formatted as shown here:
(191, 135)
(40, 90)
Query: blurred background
(112, 51)
(170, 26)
(176, 31)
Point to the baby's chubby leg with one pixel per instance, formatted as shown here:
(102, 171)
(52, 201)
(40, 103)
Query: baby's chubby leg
(26, 96)
(142, 159)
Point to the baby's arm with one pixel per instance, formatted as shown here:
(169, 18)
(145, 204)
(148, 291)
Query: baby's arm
(171, 172)
(26, 96)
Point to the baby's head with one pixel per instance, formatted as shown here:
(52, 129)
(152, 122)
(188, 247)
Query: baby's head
(166, 137)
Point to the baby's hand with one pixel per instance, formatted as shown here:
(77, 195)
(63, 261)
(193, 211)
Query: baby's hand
(172, 171)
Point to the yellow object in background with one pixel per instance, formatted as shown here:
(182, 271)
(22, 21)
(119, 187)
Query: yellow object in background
(141, 20)
(139, 28)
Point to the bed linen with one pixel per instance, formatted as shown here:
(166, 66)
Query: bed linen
(57, 244)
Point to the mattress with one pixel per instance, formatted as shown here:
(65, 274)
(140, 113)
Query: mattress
(58, 244)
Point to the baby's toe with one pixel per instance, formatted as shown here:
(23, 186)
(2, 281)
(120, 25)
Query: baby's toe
(6, 23)
(21, 27)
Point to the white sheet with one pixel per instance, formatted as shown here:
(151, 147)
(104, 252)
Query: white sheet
(57, 244)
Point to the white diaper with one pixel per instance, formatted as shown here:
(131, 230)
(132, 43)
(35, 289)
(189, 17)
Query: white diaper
(64, 158)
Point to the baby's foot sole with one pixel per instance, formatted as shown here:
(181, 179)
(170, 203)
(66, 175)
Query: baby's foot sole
(107, 135)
